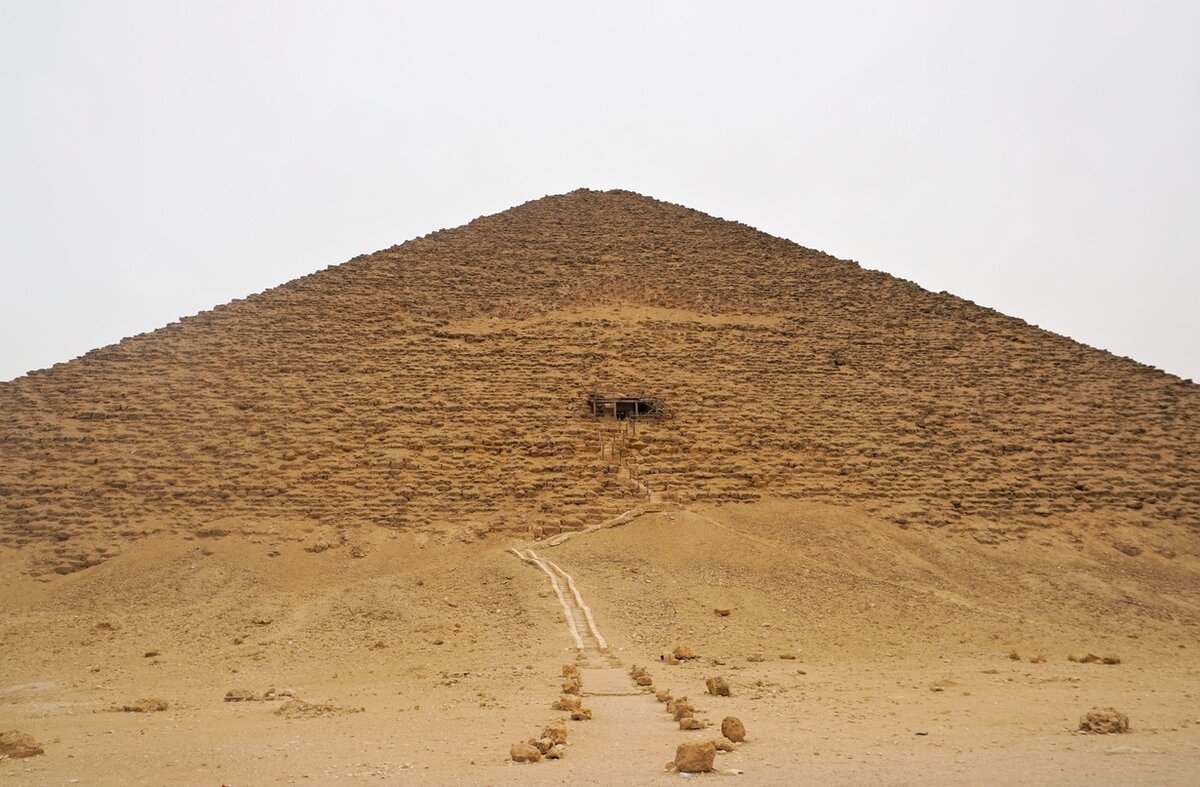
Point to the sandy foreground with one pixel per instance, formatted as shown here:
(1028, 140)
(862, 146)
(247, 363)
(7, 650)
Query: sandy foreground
(857, 652)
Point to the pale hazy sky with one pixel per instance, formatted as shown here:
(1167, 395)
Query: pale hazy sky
(158, 158)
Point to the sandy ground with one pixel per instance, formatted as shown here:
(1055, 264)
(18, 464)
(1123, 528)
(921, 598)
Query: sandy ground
(887, 656)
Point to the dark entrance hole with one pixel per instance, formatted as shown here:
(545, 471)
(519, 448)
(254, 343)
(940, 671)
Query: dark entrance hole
(624, 407)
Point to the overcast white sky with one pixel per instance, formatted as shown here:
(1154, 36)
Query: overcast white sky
(158, 157)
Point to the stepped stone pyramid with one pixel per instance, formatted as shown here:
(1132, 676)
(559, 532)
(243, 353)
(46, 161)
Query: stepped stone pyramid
(442, 385)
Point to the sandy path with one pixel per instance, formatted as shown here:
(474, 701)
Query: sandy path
(625, 719)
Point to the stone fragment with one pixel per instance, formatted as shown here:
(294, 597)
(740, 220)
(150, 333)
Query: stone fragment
(582, 714)
(723, 744)
(567, 702)
(1104, 721)
(146, 705)
(556, 752)
(556, 732)
(683, 653)
(691, 723)
(695, 757)
(718, 687)
(524, 752)
(17, 744)
(733, 729)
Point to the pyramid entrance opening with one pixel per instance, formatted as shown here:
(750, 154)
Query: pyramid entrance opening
(624, 407)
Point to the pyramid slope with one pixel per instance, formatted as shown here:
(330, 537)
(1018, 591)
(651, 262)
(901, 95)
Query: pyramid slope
(440, 385)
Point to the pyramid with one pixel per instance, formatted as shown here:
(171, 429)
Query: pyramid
(442, 385)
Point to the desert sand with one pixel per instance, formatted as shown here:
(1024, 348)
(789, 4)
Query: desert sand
(916, 539)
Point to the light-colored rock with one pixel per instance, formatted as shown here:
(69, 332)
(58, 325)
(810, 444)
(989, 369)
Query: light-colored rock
(524, 752)
(146, 705)
(581, 714)
(17, 744)
(556, 731)
(718, 687)
(567, 702)
(695, 757)
(683, 653)
(691, 723)
(682, 711)
(723, 744)
(1104, 721)
(556, 752)
(733, 729)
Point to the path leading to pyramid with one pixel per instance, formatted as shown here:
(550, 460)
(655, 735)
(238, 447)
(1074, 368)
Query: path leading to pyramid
(581, 625)
(625, 718)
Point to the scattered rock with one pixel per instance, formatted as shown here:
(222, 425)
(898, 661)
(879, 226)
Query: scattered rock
(683, 653)
(721, 612)
(146, 705)
(150, 654)
(567, 702)
(299, 709)
(1104, 721)
(723, 744)
(17, 745)
(756, 657)
(570, 671)
(556, 752)
(691, 723)
(582, 714)
(718, 687)
(240, 695)
(644, 680)
(1092, 658)
(541, 744)
(695, 757)
(556, 732)
(662, 695)
(733, 729)
(524, 752)
(682, 711)
(571, 686)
